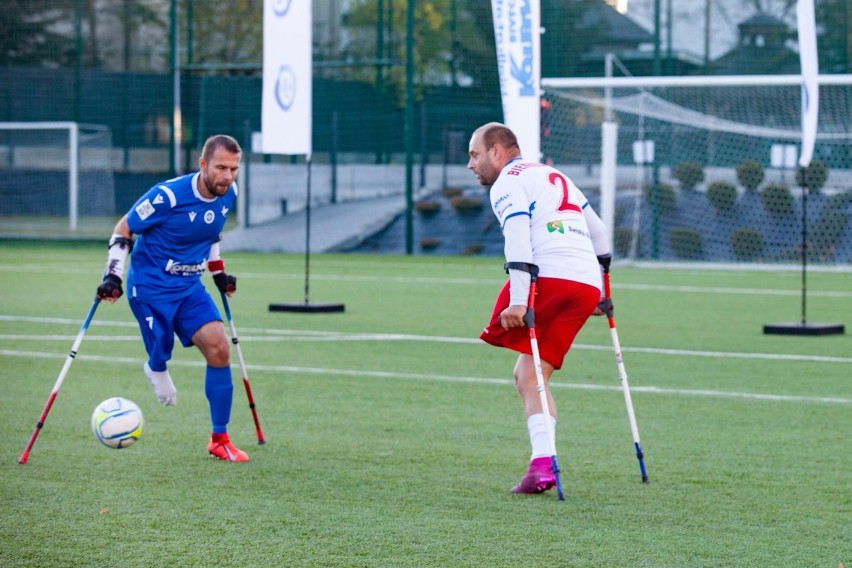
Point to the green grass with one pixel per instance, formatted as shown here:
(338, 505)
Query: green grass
(394, 435)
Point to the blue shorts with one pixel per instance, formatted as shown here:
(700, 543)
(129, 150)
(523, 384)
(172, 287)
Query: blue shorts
(160, 321)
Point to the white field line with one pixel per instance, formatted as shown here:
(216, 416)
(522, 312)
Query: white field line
(327, 372)
(268, 335)
(490, 282)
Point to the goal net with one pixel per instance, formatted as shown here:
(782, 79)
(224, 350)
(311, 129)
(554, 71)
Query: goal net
(55, 178)
(705, 168)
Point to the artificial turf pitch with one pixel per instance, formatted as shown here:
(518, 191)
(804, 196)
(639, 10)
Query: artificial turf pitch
(394, 435)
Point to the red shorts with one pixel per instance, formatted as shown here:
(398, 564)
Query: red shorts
(561, 309)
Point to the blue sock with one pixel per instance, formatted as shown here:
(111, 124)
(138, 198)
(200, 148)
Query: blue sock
(219, 389)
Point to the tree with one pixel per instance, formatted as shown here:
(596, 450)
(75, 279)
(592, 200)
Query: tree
(568, 37)
(440, 57)
(835, 42)
(224, 35)
(32, 34)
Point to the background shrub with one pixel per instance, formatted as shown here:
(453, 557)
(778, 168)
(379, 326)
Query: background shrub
(466, 205)
(473, 249)
(747, 243)
(817, 176)
(667, 196)
(430, 243)
(427, 208)
(750, 174)
(777, 198)
(828, 231)
(686, 243)
(623, 240)
(689, 174)
(722, 195)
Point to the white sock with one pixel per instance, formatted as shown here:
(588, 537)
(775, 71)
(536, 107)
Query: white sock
(539, 440)
(164, 388)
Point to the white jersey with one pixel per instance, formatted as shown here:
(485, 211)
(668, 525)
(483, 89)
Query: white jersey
(541, 214)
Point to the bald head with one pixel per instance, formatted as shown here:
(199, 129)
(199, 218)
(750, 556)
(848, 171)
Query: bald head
(492, 146)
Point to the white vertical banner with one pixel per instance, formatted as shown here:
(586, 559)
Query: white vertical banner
(287, 77)
(517, 35)
(805, 22)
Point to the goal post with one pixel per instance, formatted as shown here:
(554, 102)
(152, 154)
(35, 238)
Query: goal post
(52, 169)
(699, 131)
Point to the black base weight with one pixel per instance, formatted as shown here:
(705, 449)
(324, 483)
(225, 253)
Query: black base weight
(307, 308)
(800, 328)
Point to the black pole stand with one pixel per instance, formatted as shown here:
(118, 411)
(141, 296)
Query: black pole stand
(307, 306)
(804, 327)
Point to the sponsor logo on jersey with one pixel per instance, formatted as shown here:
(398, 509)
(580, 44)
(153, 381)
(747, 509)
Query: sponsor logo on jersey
(178, 269)
(225, 211)
(580, 232)
(192, 215)
(145, 209)
(158, 200)
(209, 217)
(500, 206)
(555, 227)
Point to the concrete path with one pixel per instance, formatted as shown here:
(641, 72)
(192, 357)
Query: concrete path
(333, 227)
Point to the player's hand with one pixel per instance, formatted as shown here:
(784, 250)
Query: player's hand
(226, 283)
(513, 316)
(110, 289)
(603, 307)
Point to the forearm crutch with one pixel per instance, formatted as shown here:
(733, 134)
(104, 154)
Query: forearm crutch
(622, 373)
(529, 320)
(235, 340)
(70, 359)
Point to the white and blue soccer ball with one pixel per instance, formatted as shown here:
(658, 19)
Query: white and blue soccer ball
(117, 422)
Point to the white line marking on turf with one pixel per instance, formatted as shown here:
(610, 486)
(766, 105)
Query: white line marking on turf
(311, 335)
(451, 379)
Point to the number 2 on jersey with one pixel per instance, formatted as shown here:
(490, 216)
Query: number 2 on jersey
(558, 181)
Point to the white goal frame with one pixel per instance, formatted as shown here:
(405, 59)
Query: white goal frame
(73, 129)
(609, 128)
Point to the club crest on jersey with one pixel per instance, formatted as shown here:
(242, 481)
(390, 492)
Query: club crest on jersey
(145, 209)
(209, 217)
(192, 215)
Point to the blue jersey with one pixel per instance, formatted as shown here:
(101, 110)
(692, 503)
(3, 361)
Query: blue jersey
(175, 227)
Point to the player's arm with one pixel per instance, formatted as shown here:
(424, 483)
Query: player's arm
(118, 249)
(603, 250)
(518, 249)
(226, 283)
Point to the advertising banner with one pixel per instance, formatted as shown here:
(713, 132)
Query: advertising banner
(287, 78)
(517, 25)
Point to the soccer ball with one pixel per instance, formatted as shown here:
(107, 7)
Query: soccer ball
(117, 422)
